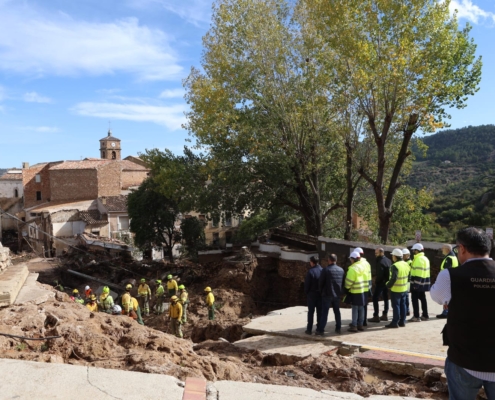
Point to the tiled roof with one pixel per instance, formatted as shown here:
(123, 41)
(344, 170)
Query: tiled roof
(93, 217)
(84, 164)
(115, 203)
(131, 166)
(110, 138)
(8, 176)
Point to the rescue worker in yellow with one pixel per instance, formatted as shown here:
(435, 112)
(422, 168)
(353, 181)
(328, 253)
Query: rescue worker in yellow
(137, 310)
(369, 278)
(450, 261)
(420, 283)
(398, 285)
(171, 286)
(127, 306)
(406, 256)
(106, 301)
(357, 286)
(184, 300)
(159, 294)
(175, 316)
(76, 297)
(92, 305)
(210, 303)
(144, 294)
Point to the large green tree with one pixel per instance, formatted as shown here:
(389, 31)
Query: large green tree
(402, 64)
(260, 105)
(153, 218)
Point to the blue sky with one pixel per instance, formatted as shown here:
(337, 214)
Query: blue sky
(67, 68)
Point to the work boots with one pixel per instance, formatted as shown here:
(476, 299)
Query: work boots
(376, 318)
(384, 317)
(352, 328)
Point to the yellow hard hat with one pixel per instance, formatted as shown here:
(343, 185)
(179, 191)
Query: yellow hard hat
(93, 297)
(174, 298)
(143, 280)
(207, 289)
(75, 291)
(128, 286)
(106, 289)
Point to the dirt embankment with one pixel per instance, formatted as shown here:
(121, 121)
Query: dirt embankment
(118, 342)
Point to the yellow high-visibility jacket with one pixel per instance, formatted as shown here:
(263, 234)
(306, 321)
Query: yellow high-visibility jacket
(184, 297)
(126, 302)
(172, 284)
(210, 299)
(175, 310)
(135, 303)
(92, 307)
(144, 290)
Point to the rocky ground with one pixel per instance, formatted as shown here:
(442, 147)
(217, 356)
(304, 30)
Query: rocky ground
(118, 342)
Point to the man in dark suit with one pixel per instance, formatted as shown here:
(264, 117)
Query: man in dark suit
(330, 284)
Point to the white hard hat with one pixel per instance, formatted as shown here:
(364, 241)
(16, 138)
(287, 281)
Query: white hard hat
(417, 246)
(86, 288)
(359, 250)
(397, 252)
(355, 255)
(116, 309)
(405, 251)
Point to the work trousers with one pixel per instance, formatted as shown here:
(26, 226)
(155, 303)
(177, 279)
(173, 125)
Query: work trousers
(380, 290)
(139, 317)
(334, 303)
(398, 307)
(463, 385)
(314, 304)
(357, 315)
(159, 305)
(416, 297)
(176, 327)
(184, 313)
(172, 292)
(144, 303)
(211, 312)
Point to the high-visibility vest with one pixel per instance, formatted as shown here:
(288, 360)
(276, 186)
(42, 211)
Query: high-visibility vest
(135, 303)
(356, 280)
(184, 297)
(420, 272)
(92, 306)
(172, 284)
(159, 291)
(367, 271)
(401, 285)
(126, 302)
(455, 262)
(106, 302)
(175, 310)
(210, 299)
(144, 290)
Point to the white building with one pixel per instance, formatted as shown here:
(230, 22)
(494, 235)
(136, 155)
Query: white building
(11, 184)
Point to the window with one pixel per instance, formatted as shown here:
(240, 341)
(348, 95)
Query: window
(202, 217)
(102, 154)
(114, 155)
(16, 193)
(228, 237)
(38, 196)
(228, 220)
(216, 239)
(214, 222)
(37, 178)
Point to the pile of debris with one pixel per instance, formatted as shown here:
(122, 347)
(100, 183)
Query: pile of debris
(106, 341)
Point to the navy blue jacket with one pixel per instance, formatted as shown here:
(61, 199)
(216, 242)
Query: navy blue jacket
(331, 281)
(312, 279)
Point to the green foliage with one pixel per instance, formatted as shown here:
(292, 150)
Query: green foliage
(260, 222)
(193, 234)
(153, 217)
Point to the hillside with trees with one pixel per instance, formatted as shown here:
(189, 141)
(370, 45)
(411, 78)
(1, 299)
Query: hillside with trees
(459, 169)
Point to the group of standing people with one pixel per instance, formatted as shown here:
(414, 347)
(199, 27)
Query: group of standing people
(399, 275)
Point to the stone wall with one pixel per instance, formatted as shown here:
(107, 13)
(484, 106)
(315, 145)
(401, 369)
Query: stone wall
(109, 180)
(31, 186)
(133, 178)
(68, 185)
(5, 261)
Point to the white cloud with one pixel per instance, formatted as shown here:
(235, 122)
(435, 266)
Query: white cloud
(171, 117)
(172, 93)
(196, 12)
(39, 45)
(33, 97)
(466, 9)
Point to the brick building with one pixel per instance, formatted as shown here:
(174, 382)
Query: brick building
(11, 184)
(61, 198)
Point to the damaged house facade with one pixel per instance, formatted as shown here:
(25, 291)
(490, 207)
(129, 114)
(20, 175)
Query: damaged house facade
(76, 202)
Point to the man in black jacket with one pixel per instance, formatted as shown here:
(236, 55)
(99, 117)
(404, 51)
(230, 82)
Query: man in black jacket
(382, 271)
(313, 294)
(469, 291)
(330, 284)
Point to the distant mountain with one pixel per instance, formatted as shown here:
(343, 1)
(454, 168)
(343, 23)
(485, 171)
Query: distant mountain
(459, 167)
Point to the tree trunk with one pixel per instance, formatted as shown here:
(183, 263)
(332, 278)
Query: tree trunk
(350, 193)
(385, 218)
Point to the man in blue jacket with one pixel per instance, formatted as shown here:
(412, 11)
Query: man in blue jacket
(330, 284)
(312, 290)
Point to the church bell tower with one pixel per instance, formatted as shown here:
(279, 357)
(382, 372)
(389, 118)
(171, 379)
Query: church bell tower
(110, 147)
